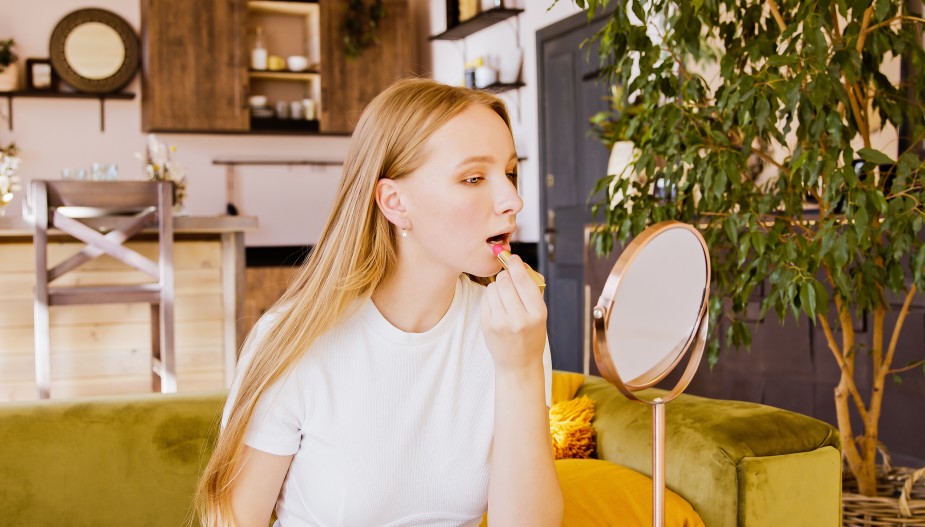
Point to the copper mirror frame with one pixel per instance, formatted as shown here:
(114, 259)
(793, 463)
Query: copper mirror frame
(692, 347)
(116, 80)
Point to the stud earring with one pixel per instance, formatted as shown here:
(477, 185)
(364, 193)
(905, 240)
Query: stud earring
(404, 233)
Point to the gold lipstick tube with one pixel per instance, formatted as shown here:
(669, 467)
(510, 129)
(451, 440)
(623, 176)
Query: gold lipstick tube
(535, 276)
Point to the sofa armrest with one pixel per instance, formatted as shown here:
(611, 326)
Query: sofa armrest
(739, 464)
(129, 460)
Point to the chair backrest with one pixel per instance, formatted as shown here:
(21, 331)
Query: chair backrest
(86, 209)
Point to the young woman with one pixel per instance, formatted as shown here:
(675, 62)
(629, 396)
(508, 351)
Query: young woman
(390, 386)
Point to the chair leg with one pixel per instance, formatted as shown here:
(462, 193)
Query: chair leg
(156, 364)
(42, 332)
(164, 366)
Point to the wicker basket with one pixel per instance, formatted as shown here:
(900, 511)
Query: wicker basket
(900, 501)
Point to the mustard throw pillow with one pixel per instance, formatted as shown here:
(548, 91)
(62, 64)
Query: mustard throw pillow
(570, 428)
(565, 385)
(601, 493)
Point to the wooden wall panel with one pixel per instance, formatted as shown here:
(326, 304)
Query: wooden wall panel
(105, 349)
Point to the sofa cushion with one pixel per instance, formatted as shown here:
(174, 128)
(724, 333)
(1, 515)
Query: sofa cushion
(598, 492)
(131, 460)
(709, 441)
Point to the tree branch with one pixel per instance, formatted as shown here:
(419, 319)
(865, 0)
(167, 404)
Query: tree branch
(894, 339)
(894, 19)
(844, 367)
(912, 366)
(775, 12)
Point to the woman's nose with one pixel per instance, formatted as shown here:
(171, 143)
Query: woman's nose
(507, 200)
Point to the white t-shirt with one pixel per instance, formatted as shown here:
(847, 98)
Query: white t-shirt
(387, 428)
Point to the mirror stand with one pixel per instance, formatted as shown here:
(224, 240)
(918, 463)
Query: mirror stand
(652, 314)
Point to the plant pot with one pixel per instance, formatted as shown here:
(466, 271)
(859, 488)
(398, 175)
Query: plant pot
(9, 78)
(901, 500)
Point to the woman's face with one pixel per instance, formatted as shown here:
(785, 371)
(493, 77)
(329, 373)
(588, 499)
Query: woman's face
(464, 197)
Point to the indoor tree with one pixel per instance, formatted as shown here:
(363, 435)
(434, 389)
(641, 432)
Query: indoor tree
(757, 121)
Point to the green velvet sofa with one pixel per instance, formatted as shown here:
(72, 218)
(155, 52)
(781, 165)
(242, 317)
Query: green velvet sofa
(134, 460)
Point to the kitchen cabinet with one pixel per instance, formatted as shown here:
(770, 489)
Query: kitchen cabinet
(348, 84)
(194, 72)
(196, 58)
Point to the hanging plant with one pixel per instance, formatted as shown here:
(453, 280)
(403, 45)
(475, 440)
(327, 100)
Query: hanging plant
(361, 26)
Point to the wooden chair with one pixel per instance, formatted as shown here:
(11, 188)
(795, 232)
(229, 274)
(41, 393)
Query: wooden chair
(120, 209)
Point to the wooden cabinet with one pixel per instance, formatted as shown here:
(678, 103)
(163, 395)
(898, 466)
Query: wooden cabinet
(196, 57)
(194, 72)
(348, 84)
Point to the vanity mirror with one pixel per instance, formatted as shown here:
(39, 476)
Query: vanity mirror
(652, 314)
(94, 50)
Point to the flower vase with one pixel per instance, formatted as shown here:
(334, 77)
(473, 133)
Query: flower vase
(9, 78)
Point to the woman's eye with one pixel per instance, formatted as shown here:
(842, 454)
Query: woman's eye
(472, 180)
(512, 176)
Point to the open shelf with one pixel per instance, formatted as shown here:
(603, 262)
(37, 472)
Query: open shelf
(479, 22)
(283, 7)
(52, 94)
(284, 75)
(500, 87)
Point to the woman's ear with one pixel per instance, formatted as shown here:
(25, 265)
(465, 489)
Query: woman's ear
(388, 197)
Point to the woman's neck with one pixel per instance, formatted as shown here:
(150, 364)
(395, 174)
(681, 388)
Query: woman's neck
(414, 300)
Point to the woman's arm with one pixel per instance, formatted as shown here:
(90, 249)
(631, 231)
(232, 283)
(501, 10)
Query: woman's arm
(256, 487)
(524, 488)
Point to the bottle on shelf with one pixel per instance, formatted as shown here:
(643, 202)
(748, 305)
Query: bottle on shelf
(259, 53)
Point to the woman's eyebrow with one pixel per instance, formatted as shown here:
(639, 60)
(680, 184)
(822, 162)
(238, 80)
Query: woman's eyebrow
(482, 159)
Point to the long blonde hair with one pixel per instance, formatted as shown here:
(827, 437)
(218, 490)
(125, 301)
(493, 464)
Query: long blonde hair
(356, 250)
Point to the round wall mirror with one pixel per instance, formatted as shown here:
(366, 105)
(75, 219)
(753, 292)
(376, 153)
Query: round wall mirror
(94, 50)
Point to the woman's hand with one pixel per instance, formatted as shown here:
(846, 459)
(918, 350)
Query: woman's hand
(514, 319)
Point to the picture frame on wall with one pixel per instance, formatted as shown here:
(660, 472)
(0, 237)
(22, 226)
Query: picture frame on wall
(40, 76)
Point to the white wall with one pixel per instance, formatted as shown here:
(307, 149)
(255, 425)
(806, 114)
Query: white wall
(292, 203)
(449, 59)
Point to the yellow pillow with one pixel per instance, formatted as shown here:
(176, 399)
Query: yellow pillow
(601, 493)
(570, 428)
(565, 385)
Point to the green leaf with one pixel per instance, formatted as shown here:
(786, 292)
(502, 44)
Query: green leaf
(808, 299)
(897, 380)
(874, 156)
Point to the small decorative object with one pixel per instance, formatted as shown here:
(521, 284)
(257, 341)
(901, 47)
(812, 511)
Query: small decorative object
(259, 53)
(468, 9)
(484, 75)
(276, 63)
(95, 51)
(40, 76)
(159, 165)
(9, 181)
(9, 73)
(297, 62)
(361, 26)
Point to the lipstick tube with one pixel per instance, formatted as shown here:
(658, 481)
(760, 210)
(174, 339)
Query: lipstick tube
(503, 256)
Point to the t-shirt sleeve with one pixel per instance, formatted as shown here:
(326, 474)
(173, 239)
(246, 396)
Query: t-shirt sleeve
(547, 368)
(276, 424)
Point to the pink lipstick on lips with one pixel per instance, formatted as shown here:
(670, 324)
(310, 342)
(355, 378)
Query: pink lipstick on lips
(504, 255)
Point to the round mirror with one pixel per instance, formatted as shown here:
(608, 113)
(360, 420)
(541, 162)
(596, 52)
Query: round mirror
(653, 306)
(94, 50)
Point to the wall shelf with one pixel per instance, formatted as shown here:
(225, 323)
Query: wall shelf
(479, 22)
(500, 87)
(283, 7)
(285, 75)
(10, 95)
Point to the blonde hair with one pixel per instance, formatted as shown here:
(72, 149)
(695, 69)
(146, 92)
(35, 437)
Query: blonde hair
(356, 250)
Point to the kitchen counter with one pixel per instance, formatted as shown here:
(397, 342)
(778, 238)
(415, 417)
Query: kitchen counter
(104, 349)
